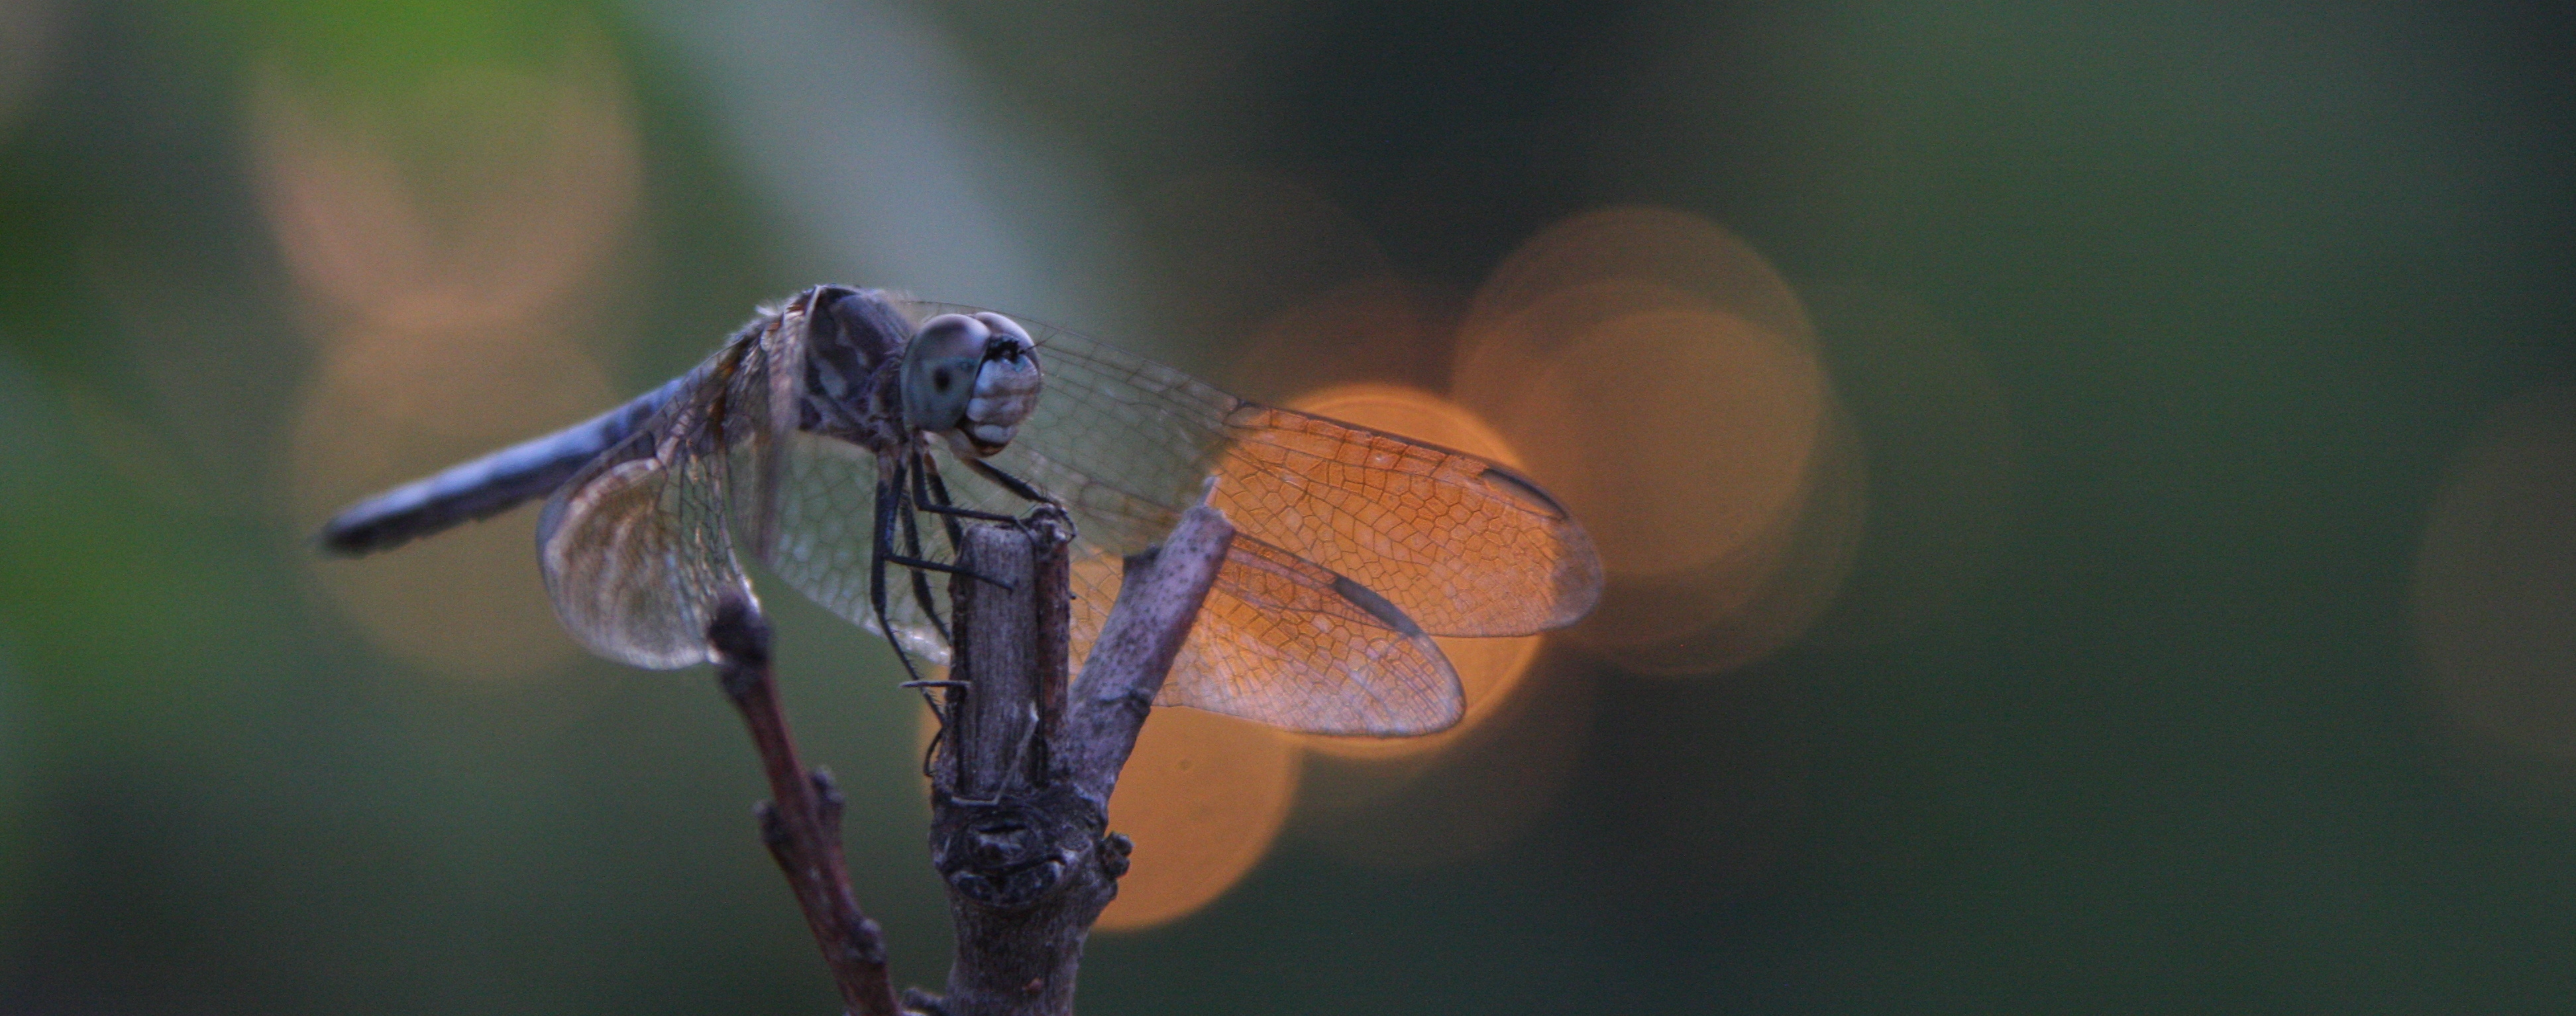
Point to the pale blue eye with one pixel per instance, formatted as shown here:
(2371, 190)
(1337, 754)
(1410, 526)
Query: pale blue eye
(943, 354)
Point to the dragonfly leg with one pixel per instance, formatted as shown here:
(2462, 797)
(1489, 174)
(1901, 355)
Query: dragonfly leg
(940, 710)
(1006, 481)
(930, 752)
(1019, 753)
(912, 548)
(940, 704)
(878, 560)
(931, 492)
(944, 568)
(950, 511)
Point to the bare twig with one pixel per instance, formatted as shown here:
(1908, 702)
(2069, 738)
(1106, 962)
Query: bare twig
(1157, 602)
(1020, 791)
(1020, 795)
(802, 824)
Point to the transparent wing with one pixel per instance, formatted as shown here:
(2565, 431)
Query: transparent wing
(637, 548)
(823, 526)
(1462, 545)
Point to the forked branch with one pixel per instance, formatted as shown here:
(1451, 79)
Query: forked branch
(1020, 788)
(1020, 795)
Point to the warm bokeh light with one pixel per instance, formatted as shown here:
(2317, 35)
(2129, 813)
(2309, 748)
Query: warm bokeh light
(1367, 331)
(2495, 593)
(1662, 379)
(447, 245)
(1483, 788)
(1643, 246)
(1681, 436)
(479, 199)
(1488, 669)
(1203, 796)
(1751, 602)
(1687, 443)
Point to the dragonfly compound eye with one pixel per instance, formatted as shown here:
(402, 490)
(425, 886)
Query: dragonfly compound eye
(939, 370)
(1006, 386)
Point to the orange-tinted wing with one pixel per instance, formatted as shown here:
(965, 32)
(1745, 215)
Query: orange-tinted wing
(1286, 643)
(1462, 545)
(1280, 640)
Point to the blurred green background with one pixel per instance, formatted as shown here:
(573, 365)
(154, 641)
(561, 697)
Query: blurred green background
(2204, 640)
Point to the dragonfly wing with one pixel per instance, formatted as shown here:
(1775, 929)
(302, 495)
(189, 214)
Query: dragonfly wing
(823, 534)
(1280, 640)
(1284, 642)
(634, 574)
(635, 552)
(1463, 545)
(638, 547)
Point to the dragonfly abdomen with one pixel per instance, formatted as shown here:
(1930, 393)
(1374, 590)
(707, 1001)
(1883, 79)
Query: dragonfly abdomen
(488, 485)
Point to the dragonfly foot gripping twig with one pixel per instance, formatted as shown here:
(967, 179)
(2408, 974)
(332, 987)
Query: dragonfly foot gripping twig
(1019, 799)
(1021, 785)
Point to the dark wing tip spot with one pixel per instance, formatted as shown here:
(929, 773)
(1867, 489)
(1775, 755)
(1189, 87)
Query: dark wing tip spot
(1377, 606)
(1522, 489)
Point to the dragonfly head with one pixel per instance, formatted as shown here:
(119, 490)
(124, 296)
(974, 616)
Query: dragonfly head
(974, 376)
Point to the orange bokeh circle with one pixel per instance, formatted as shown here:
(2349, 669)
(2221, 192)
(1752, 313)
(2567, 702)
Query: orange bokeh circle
(1676, 436)
(1663, 380)
(1203, 796)
(1643, 246)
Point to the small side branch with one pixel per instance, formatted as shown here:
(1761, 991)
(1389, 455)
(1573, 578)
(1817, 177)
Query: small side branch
(802, 822)
(1158, 600)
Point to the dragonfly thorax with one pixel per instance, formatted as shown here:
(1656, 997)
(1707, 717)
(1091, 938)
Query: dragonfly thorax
(974, 377)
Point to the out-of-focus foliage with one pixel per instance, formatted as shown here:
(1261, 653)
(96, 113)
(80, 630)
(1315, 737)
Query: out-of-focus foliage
(2085, 492)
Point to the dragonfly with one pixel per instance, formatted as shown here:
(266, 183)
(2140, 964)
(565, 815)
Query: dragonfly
(841, 437)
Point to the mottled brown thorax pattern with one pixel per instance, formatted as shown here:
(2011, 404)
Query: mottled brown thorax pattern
(853, 342)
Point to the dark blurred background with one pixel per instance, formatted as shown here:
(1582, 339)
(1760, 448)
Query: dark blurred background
(2087, 493)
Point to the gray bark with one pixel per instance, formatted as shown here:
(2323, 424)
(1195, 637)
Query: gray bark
(1020, 789)
(1020, 786)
